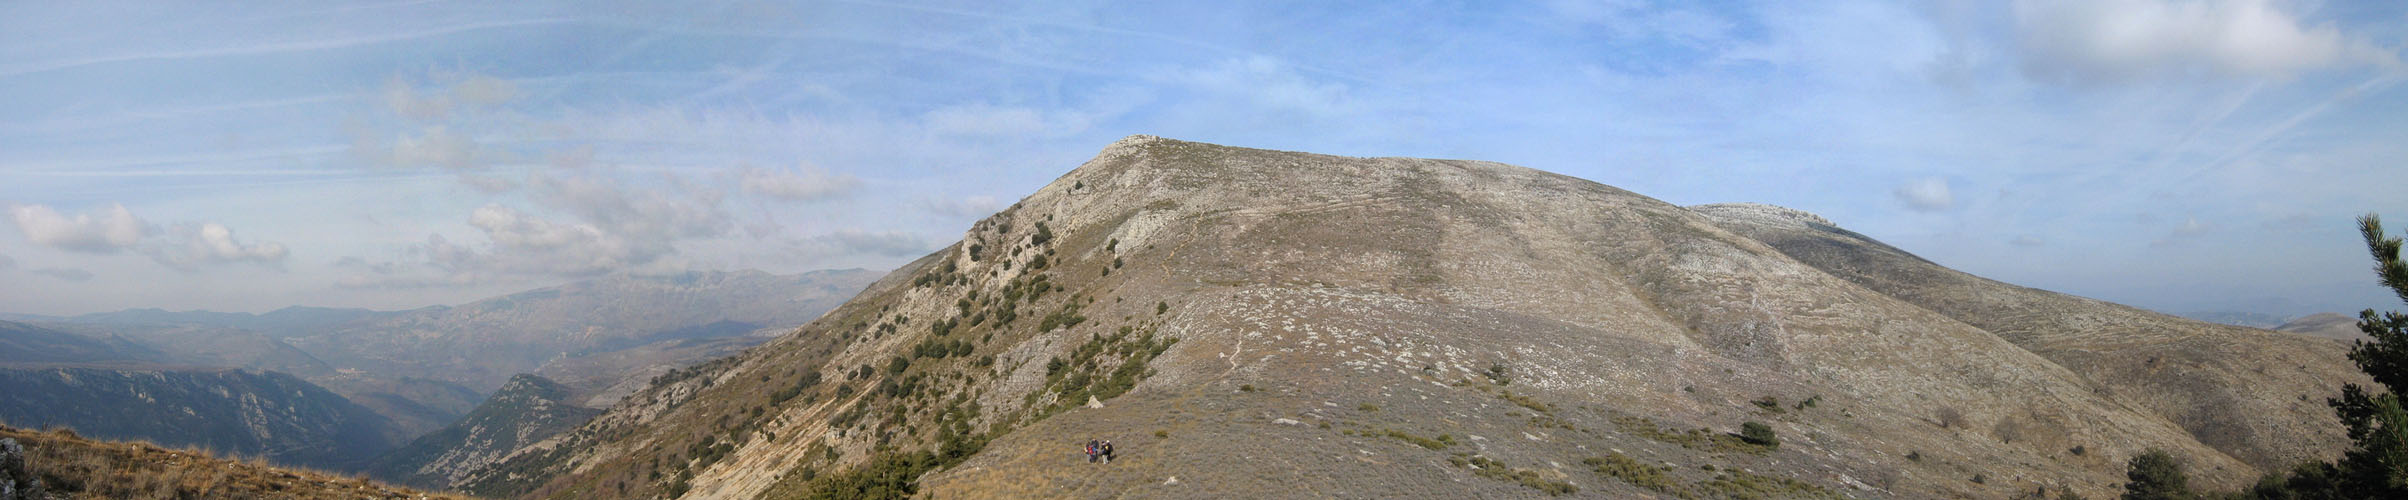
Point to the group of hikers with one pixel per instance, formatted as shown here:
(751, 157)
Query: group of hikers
(1099, 449)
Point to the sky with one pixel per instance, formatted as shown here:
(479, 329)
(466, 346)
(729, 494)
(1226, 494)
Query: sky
(246, 156)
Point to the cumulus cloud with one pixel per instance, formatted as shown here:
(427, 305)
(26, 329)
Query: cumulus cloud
(101, 232)
(2115, 40)
(188, 246)
(183, 246)
(811, 184)
(583, 223)
(1926, 195)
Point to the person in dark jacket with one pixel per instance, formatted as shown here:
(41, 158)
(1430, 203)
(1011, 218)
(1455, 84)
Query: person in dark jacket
(1107, 451)
(1093, 450)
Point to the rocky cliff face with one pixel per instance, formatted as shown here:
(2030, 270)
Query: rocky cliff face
(262, 414)
(526, 409)
(1286, 324)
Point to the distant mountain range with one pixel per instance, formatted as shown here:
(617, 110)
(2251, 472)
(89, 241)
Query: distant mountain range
(233, 411)
(349, 384)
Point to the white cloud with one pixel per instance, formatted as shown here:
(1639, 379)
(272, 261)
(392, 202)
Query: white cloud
(811, 184)
(2114, 40)
(188, 246)
(1926, 195)
(183, 246)
(102, 232)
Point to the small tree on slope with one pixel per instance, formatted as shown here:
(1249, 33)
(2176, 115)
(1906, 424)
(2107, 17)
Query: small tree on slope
(2377, 463)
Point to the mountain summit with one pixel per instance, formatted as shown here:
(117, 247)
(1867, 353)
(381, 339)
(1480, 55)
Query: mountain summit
(1267, 323)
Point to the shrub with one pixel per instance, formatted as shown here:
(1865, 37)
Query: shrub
(1759, 434)
(1632, 471)
(2155, 475)
(1424, 442)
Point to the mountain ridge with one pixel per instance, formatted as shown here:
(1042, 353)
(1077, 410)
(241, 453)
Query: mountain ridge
(1498, 330)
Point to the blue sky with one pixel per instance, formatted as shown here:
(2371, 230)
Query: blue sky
(2178, 155)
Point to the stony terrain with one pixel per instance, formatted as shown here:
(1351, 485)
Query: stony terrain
(1251, 323)
(61, 465)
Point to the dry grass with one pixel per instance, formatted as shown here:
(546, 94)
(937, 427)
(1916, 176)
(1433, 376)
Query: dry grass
(74, 467)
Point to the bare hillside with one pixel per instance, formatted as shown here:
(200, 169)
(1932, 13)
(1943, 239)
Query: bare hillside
(2255, 394)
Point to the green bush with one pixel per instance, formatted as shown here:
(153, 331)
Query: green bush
(1759, 434)
(2155, 475)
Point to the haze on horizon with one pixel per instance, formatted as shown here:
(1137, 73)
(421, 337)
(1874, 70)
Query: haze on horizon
(2171, 154)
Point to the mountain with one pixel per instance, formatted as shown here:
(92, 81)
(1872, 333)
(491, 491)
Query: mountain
(609, 376)
(2326, 325)
(202, 345)
(526, 410)
(25, 343)
(2238, 318)
(2233, 388)
(61, 464)
(1245, 322)
(425, 368)
(264, 414)
(287, 322)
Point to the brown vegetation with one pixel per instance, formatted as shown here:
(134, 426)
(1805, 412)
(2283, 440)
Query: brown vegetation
(73, 467)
